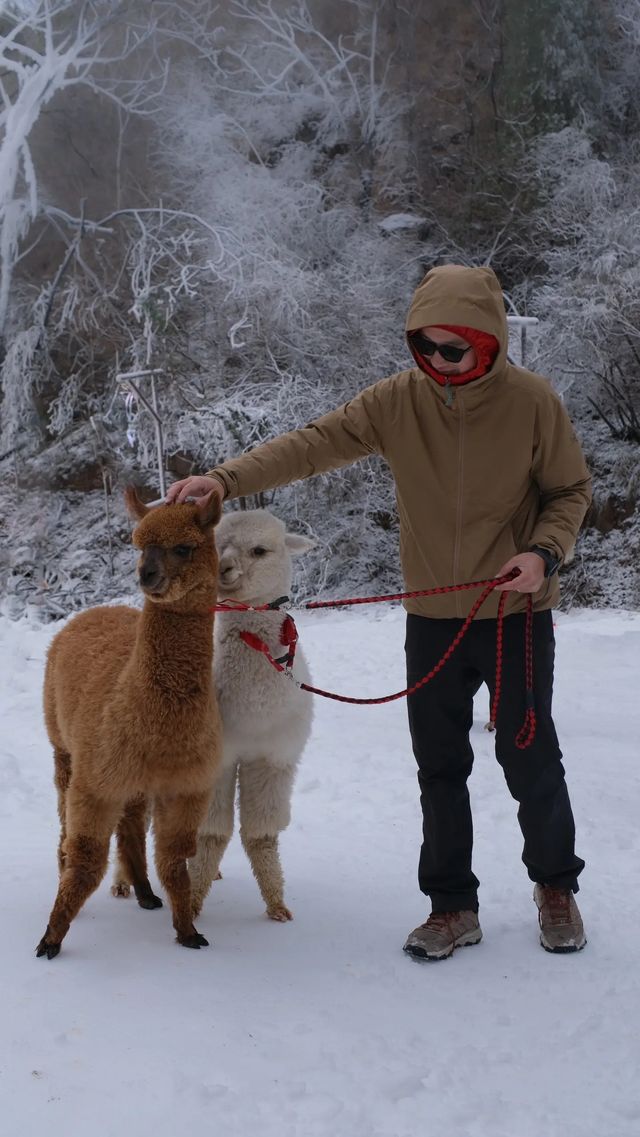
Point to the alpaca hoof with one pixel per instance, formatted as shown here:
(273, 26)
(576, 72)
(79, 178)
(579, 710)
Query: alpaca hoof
(47, 948)
(121, 888)
(280, 912)
(193, 941)
(150, 902)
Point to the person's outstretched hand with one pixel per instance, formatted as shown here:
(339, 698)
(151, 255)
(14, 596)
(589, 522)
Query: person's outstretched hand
(195, 486)
(530, 576)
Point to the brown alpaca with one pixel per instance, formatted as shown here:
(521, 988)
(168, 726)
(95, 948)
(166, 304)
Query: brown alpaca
(131, 713)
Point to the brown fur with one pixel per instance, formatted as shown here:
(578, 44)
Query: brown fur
(131, 713)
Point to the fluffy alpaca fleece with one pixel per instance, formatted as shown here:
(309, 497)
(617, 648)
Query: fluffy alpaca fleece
(266, 719)
(132, 715)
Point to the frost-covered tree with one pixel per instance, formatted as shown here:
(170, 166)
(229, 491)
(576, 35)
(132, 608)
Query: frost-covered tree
(589, 298)
(304, 162)
(293, 142)
(584, 181)
(45, 48)
(48, 49)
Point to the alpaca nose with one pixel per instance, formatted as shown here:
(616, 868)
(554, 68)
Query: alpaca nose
(229, 572)
(149, 575)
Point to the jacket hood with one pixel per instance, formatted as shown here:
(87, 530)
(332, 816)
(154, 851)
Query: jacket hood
(457, 295)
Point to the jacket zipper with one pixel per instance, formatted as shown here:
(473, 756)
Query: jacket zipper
(458, 533)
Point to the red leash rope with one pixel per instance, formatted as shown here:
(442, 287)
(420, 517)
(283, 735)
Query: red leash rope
(289, 638)
(238, 606)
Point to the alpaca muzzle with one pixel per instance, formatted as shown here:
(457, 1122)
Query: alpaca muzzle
(152, 573)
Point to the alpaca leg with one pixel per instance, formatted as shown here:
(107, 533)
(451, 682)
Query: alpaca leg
(89, 826)
(120, 881)
(204, 868)
(176, 822)
(125, 834)
(265, 810)
(61, 779)
(213, 838)
(131, 863)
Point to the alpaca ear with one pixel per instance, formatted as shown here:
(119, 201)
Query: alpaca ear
(135, 508)
(297, 544)
(208, 509)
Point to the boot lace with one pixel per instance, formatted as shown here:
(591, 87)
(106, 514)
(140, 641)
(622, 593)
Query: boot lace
(441, 921)
(557, 905)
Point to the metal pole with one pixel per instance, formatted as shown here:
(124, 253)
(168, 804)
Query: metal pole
(159, 438)
(522, 322)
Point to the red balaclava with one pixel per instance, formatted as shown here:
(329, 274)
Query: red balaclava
(485, 346)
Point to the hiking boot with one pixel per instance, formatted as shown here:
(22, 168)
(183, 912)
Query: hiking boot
(561, 928)
(443, 932)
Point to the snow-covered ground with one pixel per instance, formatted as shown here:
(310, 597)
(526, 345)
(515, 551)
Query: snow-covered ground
(323, 1027)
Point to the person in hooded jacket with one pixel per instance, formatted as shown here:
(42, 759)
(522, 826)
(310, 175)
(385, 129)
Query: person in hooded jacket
(489, 477)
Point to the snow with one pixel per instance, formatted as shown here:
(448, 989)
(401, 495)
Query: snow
(395, 221)
(323, 1026)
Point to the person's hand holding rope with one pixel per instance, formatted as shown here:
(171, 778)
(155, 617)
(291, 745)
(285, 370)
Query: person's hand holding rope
(530, 573)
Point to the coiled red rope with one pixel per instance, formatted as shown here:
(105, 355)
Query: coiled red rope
(289, 637)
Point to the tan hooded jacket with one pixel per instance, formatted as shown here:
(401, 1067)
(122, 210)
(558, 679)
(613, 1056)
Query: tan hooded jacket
(482, 471)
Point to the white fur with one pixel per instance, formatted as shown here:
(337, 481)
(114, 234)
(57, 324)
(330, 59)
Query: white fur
(266, 718)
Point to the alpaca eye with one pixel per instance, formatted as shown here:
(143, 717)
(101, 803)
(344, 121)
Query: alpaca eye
(183, 550)
(259, 551)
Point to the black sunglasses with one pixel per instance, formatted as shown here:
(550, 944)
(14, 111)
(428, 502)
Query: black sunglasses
(447, 350)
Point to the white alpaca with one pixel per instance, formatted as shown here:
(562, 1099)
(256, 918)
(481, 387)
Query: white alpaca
(266, 718)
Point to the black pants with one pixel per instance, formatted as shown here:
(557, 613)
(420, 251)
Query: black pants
(440, 718)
